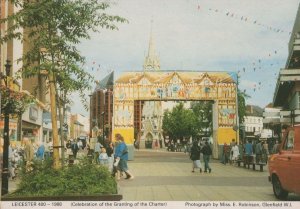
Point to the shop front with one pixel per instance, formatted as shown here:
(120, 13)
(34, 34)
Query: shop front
(13, 130)
(32, 123)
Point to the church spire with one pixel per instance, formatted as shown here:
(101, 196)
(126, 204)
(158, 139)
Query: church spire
(151, 61)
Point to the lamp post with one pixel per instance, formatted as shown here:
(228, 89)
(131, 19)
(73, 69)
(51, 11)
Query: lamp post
(5, 172)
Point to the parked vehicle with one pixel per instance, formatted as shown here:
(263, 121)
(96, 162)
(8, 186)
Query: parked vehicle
(284, 166)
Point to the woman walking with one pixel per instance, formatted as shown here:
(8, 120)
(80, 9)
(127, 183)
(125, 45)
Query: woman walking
(195, 156)
(121, 153)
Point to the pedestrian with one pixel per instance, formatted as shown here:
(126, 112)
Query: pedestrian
(97, 151)
(160, 143)
(28, 154)
(235, 152)
(103, 157)
(265, 152)
(11, 162)
(275, 147)
(74, 148)
(110, 154)
(258, 152)
(40, 151)
(195, 156)
(226, 153)
(156, 144)
(207, 152)
(248, 152)
(79, 143)
(136, 144)
(121, 153)
(232, 143)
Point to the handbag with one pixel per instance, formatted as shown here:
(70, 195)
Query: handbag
(117, 162)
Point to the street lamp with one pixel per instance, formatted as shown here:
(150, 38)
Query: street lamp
(5, 172)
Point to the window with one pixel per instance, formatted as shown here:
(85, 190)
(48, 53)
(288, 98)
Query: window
(289, 143)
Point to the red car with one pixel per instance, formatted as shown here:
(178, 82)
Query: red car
(284, 166)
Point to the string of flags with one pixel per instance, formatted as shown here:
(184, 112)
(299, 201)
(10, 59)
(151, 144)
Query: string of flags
(258, 64)
(94, 67)
(246, 19)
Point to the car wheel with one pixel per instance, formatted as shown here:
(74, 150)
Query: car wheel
(279, 192)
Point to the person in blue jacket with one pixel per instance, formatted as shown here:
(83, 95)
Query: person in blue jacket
(121, 152)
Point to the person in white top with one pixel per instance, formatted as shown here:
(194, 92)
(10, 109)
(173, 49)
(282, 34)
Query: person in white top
(235, 153)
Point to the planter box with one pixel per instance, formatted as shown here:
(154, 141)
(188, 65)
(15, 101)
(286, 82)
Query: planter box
(75, 197)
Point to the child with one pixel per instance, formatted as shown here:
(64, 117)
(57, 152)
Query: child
(103, 157)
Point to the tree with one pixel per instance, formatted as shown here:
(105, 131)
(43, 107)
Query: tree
(203, 112)
(52, 29)
(179, 123)
(242, 105)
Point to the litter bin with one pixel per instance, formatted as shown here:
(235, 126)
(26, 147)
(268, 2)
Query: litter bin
(130, 151)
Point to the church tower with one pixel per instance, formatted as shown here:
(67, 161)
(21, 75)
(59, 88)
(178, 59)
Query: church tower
(152, 113)
(151, 62)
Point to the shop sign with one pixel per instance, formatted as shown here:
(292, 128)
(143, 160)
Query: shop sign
(33, 113)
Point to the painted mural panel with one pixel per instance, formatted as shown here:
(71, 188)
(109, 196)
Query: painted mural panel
(167, 85)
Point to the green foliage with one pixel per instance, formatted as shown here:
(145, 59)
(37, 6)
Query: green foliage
(84, 178)
(242, 105)
(52, 29)
(14, 102)
(179, 122)
(203, 113)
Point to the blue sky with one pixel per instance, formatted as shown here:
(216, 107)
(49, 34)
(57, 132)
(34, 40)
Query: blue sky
(249, 37)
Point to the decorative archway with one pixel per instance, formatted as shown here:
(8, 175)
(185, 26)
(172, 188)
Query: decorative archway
(219, 87)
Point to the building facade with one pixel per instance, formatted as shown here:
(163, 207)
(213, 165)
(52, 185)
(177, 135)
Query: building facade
(101, 107)
(287, 92)
(79, 126)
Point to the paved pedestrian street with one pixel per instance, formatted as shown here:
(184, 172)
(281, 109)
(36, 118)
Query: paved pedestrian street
(166, 176)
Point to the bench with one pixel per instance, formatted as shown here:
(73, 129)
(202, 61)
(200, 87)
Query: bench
(250, 162)
(261, 166)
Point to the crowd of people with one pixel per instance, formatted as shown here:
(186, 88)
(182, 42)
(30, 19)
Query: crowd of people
(114, 156)
(256, 151)
(251, 151)
(104, 152)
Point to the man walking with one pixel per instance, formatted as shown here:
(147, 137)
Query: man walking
(206, 150)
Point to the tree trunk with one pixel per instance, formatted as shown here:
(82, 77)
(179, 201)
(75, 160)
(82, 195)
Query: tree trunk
(56, 163)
